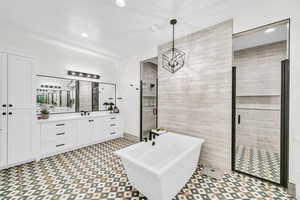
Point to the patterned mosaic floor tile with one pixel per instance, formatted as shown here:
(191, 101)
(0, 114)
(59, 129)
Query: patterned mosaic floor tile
(95, 172)
(260, 163)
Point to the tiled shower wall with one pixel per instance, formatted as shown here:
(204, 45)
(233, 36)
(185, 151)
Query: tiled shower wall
(149, 96)
(196, 100)
(258, 88)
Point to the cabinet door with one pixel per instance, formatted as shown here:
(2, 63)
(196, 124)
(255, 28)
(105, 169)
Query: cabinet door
(3, 109)
(20, 129)
(3, 148)
(99, 130)
(85, 127)
(3, 81)
(20, 89)
(20, 102)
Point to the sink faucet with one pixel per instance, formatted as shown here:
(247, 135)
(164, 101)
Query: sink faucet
(84, 113)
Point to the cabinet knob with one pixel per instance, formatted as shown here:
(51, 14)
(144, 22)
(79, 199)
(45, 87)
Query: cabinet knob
(10, 105)
(4, 113)
(4, 105)
(10, 113)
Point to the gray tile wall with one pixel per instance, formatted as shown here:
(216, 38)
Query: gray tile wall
(258, 95)
(149, 76)
(196, 100)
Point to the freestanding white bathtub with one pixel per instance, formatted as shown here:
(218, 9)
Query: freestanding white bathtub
(160, 171)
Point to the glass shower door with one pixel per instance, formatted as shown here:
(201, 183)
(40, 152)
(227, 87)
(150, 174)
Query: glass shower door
(148, 98)
(259, 104)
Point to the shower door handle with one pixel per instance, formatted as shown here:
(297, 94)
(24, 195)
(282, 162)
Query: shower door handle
(239, 119)
(154, 111)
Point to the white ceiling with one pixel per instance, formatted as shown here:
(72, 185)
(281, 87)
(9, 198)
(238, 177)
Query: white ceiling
(112, 30)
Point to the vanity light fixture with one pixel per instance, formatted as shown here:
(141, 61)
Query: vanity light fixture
(83, 75)
(173, 59)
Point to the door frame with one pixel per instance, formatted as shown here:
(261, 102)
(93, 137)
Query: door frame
(284, 112)
(141, 94)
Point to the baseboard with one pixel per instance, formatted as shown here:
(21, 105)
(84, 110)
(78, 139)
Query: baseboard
(291, 190)
(131, 137)
(18, 163)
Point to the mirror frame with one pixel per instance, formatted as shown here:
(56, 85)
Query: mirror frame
(113, 84)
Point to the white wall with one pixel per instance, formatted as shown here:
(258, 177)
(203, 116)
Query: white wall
(53, 59)
(128, 82)
(246, 15)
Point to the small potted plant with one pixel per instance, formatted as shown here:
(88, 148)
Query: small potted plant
(44, 113)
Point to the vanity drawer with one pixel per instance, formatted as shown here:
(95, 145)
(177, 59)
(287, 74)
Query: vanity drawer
(55, 126)
(53, 131)
(113, 133)
(54, 146)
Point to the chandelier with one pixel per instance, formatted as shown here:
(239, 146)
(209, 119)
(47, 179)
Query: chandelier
(173, 59)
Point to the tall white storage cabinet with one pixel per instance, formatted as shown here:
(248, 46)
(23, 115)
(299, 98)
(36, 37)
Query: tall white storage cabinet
(3, 109)
(17, 109)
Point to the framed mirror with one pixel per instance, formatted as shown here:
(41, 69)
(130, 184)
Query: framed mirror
(63, 95)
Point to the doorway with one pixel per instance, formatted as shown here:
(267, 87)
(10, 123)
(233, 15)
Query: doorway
(149, 91)
(260, 102)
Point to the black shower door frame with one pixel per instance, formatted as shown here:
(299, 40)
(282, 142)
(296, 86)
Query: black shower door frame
(284, 126)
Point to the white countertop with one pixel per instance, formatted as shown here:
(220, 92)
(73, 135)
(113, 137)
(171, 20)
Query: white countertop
(74, 116)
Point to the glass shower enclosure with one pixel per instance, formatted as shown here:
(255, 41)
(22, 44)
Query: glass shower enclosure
(149, 96)
(260, 102)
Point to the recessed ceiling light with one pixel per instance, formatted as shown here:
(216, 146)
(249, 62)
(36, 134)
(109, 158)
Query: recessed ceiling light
(270, 30)
(121, 3)
(84, 35)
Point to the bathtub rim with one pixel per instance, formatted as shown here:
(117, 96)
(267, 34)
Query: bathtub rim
(122, 154)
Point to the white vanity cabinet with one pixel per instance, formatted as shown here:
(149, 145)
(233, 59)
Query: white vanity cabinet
(58, 136)
(107, 127)
(86, 128)
(113, 126)
(76, 132)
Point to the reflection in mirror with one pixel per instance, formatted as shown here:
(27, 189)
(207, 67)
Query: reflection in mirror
(56, 95)
(85, 96)
(107, 94)
(62, 95)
